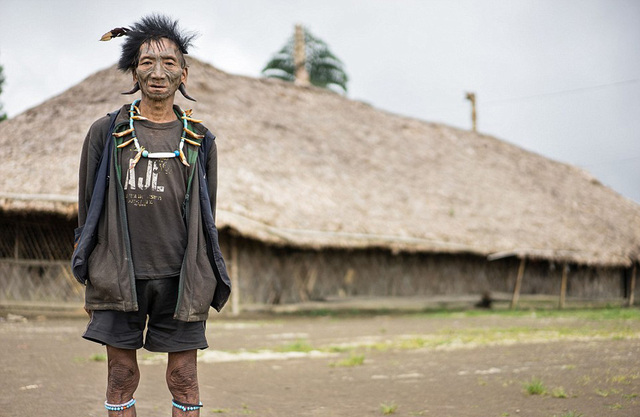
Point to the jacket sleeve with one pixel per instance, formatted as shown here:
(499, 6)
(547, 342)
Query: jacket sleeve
(89, 160)
(212, 174)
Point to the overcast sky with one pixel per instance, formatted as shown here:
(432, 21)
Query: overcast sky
(560, 78)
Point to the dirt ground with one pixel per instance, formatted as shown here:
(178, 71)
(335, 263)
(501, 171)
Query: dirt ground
(476, 365)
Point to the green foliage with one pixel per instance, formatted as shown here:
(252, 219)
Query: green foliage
(352, 360)
(98, 357)
(559, 392)
(388, 409)
(535, 387)
(297, 346)
(324, 68)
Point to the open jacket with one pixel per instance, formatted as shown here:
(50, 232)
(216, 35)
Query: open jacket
(102, 253)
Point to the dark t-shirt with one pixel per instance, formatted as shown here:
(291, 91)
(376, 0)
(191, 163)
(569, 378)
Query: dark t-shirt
(154, 192)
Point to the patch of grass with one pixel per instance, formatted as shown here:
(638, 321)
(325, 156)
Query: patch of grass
(337, 349)
(624, 379)
(387, 409)
(558, 392)
(535, 387)
(98, 357)
(297, 346)
(606, 393)
(219, 411)
(352, 360)
(381, 346)
(412, 343)
(590, 313)
(616, 406)
(629, 396)
(584, 380)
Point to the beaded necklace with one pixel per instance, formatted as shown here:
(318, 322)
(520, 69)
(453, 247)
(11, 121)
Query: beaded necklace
(134, 114)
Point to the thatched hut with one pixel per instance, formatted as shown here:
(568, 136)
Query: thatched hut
(320, 195)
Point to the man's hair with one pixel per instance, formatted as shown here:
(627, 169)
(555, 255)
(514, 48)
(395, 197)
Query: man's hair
(152, 28)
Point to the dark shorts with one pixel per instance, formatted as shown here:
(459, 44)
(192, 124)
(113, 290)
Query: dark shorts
(156, 299)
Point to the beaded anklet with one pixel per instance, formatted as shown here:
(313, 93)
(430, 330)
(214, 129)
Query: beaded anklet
(186, 407)
(120, 407)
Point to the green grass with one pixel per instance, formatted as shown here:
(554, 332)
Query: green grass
(606, 393)
(352, 360)
(535, 387)
(546, 309)
(559, 392)
(297, 346)
(98, 357)
(387, 409)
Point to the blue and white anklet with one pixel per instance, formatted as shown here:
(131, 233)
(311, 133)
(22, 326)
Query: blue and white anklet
(186, 407)
(120, 407)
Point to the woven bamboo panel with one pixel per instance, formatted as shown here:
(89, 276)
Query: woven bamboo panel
(34, 259)
(38, 281)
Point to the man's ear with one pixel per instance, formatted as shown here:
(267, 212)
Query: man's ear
(184, 76)
(134, 76)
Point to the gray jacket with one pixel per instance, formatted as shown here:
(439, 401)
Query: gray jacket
(110, 278)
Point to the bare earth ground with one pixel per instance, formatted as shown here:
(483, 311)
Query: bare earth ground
(453, 364)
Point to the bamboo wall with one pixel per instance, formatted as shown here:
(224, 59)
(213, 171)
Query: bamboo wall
(269, 274)
(35, 253)
(34, 259)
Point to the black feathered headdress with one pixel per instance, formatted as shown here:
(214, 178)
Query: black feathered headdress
(150, 28)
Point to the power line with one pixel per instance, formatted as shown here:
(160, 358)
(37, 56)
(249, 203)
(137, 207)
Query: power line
(449, 109)
(564, 92)
(612, 161)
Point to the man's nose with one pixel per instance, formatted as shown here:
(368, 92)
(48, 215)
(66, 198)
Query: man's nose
(157, 70)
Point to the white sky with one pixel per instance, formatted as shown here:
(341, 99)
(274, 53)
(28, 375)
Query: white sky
(560, 78)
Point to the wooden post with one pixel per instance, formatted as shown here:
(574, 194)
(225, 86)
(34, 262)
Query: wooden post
(563, 286)
(632, 286)
(300, 57)
(516, 289)
(472, 98)
(235, 272)
(16, 247)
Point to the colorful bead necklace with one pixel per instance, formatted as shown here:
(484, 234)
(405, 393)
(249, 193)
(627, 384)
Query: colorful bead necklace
(134, 114)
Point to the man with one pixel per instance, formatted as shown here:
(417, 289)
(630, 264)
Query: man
(147, 246)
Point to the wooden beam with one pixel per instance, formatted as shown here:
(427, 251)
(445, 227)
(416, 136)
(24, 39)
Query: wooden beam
(563, 286)
(632, 285)
(472, 98)
(516, 289)
(235, 272)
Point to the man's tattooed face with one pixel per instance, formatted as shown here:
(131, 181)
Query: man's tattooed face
(160, 69)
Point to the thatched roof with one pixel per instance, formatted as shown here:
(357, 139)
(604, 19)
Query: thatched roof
(310, 168)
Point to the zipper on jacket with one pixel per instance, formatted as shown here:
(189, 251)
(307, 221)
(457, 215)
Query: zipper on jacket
(186, 204)
(124, 225)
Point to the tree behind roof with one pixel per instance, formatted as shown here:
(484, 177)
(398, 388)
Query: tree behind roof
(306, 59)
(3, 115)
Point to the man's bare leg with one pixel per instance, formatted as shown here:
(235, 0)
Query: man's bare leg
(123, 378)
(182, 380)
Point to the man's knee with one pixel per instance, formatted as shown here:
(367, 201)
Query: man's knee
(183, 379)
(124, 377)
